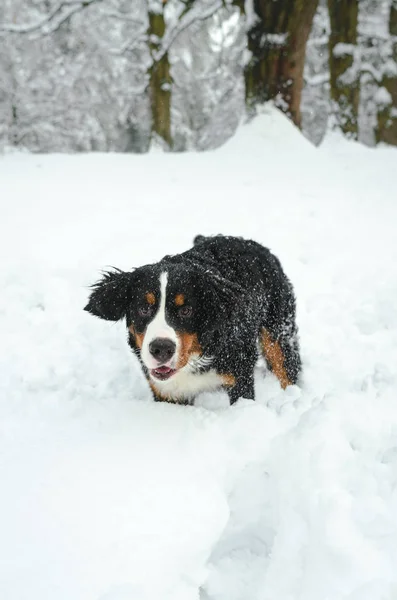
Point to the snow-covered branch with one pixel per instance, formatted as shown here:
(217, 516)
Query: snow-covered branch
(317, 80)
(277, 40)
(368, 69)
(52, 20)
(196, 13)
(321, 40)
(131, 44)
(117, 14)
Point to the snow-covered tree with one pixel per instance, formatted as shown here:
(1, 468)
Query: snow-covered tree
(386, 96)
(167, 20)
(81, 75)
(277, 35)
(315, 106)
(344, 64)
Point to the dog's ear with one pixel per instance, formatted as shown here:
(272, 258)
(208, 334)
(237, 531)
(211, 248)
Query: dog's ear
(111, 295)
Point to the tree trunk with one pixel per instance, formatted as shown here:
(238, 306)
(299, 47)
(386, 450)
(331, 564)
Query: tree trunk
(14, 125)
(159, 81)
(277, 42)
(393, 18)
(345, 88)
(387, 115)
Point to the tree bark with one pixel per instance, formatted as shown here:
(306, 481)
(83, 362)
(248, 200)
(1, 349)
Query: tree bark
(277, 42)
(393, 18)
(387, 115)
(160, 81)
(345, 86)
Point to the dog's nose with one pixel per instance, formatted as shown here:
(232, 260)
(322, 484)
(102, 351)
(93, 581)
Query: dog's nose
(162, 349)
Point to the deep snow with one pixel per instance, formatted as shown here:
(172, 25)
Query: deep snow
(106, 495)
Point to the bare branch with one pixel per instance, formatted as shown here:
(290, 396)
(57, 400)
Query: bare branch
(52, 21)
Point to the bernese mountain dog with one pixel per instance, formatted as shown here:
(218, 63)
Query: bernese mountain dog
(197, 321)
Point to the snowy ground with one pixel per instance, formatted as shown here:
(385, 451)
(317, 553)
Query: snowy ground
(105, 495)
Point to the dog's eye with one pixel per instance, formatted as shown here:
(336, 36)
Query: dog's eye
(185, 311)
(145, 311)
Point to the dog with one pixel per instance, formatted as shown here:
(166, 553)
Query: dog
(197, 321)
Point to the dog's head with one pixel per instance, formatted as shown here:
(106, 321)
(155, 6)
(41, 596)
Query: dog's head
(172, 312)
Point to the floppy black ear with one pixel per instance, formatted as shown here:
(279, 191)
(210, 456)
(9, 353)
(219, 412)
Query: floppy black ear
(111, 296)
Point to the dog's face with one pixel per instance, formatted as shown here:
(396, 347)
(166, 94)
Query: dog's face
(169, 312)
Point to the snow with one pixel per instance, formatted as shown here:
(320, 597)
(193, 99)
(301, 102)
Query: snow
(106, 495)
(342, 49)
(275, 39)
(383, 97)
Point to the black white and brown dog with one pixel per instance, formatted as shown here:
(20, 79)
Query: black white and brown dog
(197, 321)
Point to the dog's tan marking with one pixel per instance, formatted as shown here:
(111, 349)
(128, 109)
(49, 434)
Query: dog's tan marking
(179, 300)
(137, 336)
(228, 380)
(275, 357)
(150, 298)
(188, 345)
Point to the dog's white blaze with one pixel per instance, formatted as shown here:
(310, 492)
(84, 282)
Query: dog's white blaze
(159, 328)
(186, 385)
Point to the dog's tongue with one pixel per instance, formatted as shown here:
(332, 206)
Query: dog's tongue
(163, 372)
(163, 369)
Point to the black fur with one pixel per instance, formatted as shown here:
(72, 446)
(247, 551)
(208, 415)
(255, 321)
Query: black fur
(236, 288)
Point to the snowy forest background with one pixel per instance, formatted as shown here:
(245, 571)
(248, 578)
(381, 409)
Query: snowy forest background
(116, 75)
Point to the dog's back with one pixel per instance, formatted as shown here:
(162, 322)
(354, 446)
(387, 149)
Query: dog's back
(254, 268)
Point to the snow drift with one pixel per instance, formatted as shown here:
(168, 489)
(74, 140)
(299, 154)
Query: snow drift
(106, 495)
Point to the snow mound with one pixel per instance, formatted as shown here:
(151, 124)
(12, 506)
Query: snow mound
(106, 495)
(269, 130)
